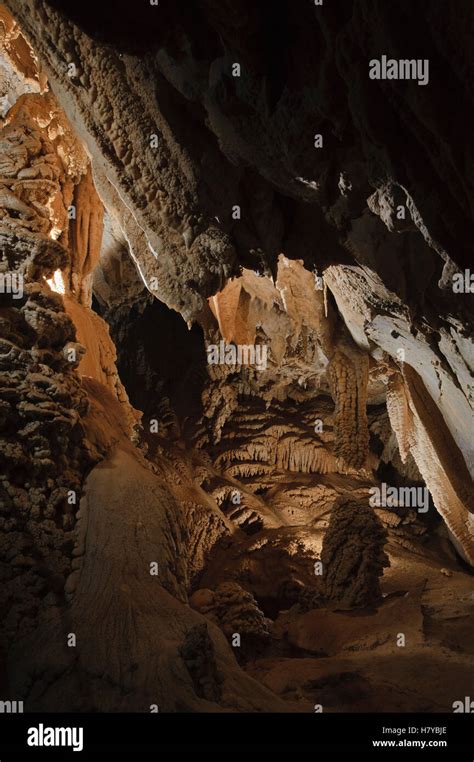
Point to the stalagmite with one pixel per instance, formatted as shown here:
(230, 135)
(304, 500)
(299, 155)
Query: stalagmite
(236, 358)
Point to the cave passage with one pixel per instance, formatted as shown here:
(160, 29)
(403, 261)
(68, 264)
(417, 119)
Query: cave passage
(236, 358)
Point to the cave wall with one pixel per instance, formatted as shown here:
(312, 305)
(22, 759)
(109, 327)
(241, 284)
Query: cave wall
(335, 207)
(153, 143)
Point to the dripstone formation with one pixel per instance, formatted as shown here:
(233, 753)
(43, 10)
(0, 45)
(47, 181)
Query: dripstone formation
(236, 303)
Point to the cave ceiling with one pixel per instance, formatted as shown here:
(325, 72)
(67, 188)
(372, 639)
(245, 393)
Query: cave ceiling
(236, 342)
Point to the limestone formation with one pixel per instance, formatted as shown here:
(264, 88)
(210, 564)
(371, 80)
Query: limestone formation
(43, 456)
(353, 556)
(237, 614)
(197, 653)
(236, 304)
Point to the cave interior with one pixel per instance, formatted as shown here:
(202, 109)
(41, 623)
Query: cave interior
(236, 357)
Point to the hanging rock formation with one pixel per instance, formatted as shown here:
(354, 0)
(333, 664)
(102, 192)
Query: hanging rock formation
(235, 306)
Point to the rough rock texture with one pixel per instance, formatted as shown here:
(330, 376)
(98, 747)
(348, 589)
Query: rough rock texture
(45, 452)
(180, 228)
(197, 653)
(145, 190)
(353, 555)
(43, 457)
(126, 523)
(236, 612)
(43, 449)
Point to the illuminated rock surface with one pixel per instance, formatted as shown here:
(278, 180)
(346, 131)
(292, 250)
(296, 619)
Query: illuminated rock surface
(156, 502)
